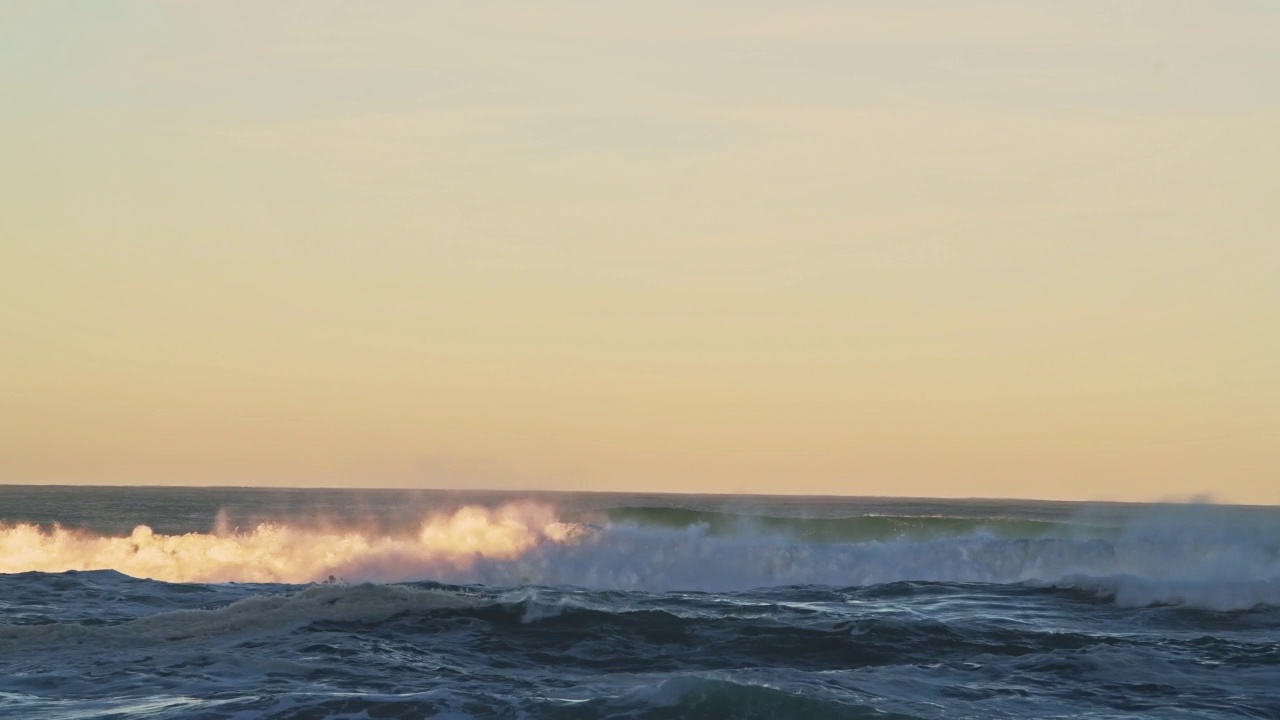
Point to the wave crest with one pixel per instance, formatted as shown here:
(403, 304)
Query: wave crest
(445, 545)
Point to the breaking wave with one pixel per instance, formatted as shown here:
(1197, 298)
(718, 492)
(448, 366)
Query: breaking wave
(1203, 557)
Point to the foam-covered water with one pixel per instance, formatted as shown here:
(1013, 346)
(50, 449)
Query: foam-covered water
(212, 603)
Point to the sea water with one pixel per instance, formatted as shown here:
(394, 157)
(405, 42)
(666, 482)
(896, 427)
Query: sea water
(251, 603)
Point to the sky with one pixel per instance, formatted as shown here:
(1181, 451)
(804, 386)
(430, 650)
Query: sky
(865, 247)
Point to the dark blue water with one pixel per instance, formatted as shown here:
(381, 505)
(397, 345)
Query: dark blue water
(583, 606)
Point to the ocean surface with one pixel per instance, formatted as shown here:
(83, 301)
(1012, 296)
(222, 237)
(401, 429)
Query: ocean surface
(239, 603)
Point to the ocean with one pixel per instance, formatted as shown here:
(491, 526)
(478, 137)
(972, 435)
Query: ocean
(253, 603)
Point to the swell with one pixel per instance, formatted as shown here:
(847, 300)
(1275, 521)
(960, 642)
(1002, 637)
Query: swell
(808, 629)
(377, 650)
(629, 632)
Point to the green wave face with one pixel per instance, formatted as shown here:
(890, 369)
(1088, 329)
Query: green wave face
(864, 528)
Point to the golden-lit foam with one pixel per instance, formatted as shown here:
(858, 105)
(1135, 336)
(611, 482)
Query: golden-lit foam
(445, 544)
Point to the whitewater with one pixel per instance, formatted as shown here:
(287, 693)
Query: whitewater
(244, 603)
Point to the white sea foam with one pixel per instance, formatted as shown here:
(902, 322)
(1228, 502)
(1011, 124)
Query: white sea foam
(1203, 557)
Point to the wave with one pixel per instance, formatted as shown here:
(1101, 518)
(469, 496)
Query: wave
(802, 628)
(1205, 557)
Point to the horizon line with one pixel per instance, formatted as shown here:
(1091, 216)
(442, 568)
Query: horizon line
(1195, 500)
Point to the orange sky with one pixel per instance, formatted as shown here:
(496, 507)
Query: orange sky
(1017, 249)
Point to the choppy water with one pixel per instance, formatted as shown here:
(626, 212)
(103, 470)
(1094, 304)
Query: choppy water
(317, 604)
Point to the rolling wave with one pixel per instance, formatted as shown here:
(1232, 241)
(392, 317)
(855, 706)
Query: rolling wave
(1202, 557)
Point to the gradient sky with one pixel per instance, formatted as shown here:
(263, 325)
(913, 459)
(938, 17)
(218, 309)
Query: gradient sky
(979, 248)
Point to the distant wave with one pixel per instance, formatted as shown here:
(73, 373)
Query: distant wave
(1203, 557)
(840, 529)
